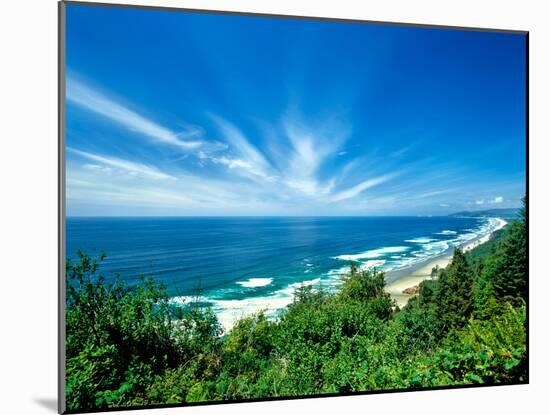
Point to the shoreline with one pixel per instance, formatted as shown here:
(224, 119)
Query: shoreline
(410, 279)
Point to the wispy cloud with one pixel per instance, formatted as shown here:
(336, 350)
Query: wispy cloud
(116, 194)
(424, 195)
(295, 164)
(497, 200)
(310, 148)
(400, 152)
(249, 159)
(97, 167)
(127, 166)
(359, 188)
(87, 97)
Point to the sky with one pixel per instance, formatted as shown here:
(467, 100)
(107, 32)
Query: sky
(177, 113)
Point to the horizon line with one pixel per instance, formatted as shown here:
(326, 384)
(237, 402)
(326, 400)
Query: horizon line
(273, 216)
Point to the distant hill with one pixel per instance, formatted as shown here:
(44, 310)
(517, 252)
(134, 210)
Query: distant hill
(507, 213)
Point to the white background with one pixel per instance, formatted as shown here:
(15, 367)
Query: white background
(28, 204)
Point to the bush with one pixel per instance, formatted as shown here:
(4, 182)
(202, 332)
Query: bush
(487, 352)
(120, 338)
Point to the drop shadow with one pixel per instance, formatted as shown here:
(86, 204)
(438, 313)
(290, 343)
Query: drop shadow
(48, 403)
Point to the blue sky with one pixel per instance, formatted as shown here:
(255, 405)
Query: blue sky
(174, 113)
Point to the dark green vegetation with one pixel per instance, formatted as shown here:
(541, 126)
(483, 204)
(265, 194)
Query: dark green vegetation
(130, 347)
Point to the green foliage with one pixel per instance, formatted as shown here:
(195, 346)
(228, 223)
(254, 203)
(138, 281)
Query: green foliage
(507, 268)
(467, 325)
(487, 351)
(502, 271)
(316, 336)
(453, 296)
(367, 286)
(119, 338)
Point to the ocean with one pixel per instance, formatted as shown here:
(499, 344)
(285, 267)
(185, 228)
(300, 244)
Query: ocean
(240, 265)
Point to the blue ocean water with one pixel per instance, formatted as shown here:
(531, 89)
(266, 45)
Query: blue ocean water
(243, 264)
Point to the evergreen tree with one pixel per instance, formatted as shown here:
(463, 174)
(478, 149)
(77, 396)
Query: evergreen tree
(454, 292)
(506, 270)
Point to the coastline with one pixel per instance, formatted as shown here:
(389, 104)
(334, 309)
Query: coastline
(413, 277)
(229, 311)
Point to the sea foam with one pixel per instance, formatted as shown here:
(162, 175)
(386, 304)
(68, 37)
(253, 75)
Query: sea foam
(420, 240)
(230, 311)
(446, 232)
(373, 253)
(373, 263)
(255, 282)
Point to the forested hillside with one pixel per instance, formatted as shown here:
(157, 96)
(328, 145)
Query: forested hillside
(504, 213)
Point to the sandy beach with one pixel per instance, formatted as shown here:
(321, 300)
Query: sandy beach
(414, 278)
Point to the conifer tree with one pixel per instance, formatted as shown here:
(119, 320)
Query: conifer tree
(507, 269)
(454, 292)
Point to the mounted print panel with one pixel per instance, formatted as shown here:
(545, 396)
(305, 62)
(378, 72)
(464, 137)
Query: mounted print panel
(262, 207)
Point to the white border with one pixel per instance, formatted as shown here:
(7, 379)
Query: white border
(29, 204)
